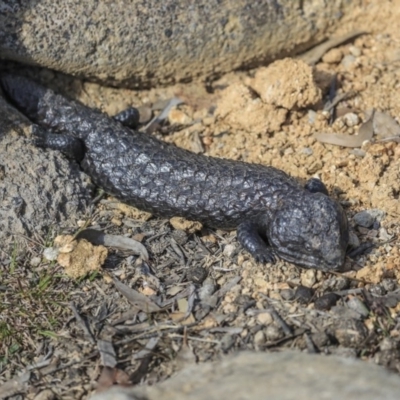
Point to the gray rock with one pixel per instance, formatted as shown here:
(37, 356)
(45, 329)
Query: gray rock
(367, 218)
(147, 42)
(283, 376)
(229, 250)
(40, 190)
(287, 294)
(364, 218)
(379, 215)
(358, 306)
(354, 241)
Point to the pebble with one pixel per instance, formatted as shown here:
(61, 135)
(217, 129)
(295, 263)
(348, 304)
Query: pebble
(50, 253)
(227, 342)
(116, 221)
(307, 151)
(303, 294)
(364, 219)
(178, 117)
(355, 304)
(391, 301)
(351, 332)
(308, 278)
(272, 333)
(327, 301)
(341, 283)
(351, 119)
(197, 274)
(377, 290)
(379, 215)
(314, 167)
(355, 51)
(142, 316)
(244, 300)
(312, 116)
(207, 290)
(348, 61)
(367, 232)
(35, 261)
(185, 225)
(180, 236)
(145, 114)
(264, 318)
(287, 294)
(389, 284)
(346, 313)
(358, 152)
(229, 250)
(384, 235)
(387, 358)
(376, 225)
(259, 338)
(320, 339)
(385, 125)
(388, 344)
(354, 242)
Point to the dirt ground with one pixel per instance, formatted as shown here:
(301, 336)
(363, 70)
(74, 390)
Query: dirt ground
(203, 295)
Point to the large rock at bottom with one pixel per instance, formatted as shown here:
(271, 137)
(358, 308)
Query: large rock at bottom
(153, 42)
(283, 376)
(40, 191)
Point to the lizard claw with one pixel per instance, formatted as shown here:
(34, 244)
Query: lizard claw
(265, 256)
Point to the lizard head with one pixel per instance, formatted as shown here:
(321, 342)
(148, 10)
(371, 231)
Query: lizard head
(312, 233)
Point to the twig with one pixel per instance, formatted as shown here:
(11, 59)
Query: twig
(82, 323)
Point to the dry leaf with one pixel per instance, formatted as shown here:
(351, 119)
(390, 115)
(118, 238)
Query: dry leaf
(385, 126)
(107, 353)
(312, 56)
(120, 242)
(365, 133)
(110, 377)
(139, 300)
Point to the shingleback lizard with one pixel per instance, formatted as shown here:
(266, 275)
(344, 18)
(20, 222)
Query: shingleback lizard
(273, 213)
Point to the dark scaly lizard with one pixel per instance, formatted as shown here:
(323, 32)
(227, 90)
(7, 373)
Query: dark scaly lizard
(273, 213)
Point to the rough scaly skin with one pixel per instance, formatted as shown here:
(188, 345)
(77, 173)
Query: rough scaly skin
(274, 214)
